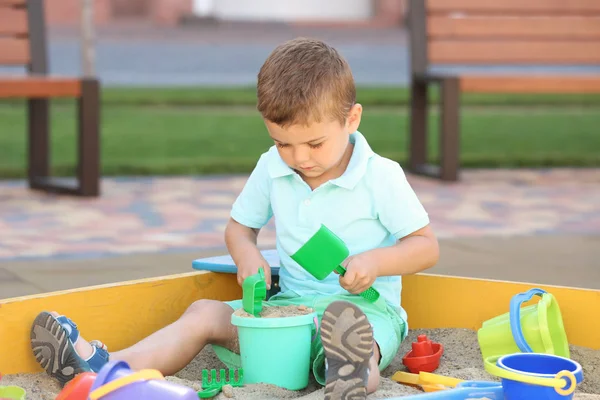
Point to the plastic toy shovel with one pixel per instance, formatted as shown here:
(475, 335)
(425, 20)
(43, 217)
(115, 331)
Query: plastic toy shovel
(254, 290)
(467, 390)
(323, 254)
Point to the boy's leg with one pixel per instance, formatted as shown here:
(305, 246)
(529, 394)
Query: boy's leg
(167, 350)
(350, 352)
(389, 330)
(173, 347)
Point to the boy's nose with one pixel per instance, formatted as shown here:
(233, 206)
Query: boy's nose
(301, 156)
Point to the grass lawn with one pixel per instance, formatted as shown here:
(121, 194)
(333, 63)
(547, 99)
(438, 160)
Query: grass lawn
(143, 139)
(372, 96)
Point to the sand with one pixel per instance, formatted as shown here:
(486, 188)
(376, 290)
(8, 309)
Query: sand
(461, 359)
(277, 311)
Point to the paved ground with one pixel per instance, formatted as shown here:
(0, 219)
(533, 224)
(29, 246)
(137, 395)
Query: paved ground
(186, 214)
(553, 260)
(538, 226)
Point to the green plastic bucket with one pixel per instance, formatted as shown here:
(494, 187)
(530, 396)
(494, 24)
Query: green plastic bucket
(276, 350)
(12, 392)
(536, 328)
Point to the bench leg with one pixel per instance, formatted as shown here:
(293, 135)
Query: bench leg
(88, 168)
(88, 164)
(449, 129)
(39, 146)
(418, 125)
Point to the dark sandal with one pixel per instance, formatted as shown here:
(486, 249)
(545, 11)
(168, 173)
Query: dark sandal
(52, 342)
(347, 338)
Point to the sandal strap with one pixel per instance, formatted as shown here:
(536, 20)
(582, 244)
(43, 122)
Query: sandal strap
(99, 356)
(70, 327)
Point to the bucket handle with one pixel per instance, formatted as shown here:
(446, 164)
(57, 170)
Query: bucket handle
(316, 322)
(564, 382)
(515, 317)
(110, 387)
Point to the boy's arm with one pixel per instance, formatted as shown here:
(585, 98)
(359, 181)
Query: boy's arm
(402, 214)
(413, 253)
(249, 213)
(241, 243)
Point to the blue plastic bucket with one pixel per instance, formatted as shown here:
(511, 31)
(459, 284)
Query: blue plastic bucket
(527, 376)
(276, 350)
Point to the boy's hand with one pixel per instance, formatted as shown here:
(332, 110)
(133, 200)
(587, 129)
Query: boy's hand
(360, 274)
(251, 266)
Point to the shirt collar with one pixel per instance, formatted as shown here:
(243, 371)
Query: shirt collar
(355, 170)
(357, 167)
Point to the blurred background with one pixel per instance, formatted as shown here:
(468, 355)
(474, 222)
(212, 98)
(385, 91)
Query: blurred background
(168, 68)
(180, 133)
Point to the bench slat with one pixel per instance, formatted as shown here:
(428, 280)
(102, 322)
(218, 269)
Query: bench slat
(12, 3)
(551, 27)
(13, 21)
(530, 84)
(561, 52)
(14, 51)
(508, 7)
(39, 87)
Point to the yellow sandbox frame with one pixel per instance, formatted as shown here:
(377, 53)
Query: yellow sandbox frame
(121, 314)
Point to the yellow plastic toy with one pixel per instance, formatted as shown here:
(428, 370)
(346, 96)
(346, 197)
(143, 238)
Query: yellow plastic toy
(427, 381)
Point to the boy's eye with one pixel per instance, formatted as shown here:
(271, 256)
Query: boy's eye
(281, 145)
(316, 146)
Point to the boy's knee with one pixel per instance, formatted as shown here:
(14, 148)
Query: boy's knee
(204, 308)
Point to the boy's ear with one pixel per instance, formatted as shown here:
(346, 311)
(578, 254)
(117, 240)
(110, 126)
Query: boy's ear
(354, 116)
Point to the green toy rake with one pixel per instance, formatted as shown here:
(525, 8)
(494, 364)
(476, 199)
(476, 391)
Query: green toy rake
(323, 253)
(211, 387)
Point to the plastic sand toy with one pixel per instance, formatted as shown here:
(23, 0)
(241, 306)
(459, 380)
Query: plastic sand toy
(424, 356)
(254, 290)
(323, 253)
(427, 381)
(12, 393)
(536, 376)
(211, 387)
(537, 328)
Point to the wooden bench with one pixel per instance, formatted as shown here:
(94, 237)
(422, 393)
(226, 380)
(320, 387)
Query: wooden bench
(453, 44)
(23, 43)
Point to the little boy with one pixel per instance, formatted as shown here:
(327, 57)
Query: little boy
(321, 170)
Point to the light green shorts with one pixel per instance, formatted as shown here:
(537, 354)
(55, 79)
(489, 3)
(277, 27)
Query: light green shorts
(389, 329)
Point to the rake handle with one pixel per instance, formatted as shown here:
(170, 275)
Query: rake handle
(368, 294)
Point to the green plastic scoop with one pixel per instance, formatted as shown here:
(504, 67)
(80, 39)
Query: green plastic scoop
(323, 253)
(254, 289)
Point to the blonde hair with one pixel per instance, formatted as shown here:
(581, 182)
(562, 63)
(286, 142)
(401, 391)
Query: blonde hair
(305, 81)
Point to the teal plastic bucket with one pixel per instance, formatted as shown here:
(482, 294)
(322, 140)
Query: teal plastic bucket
(276, 350)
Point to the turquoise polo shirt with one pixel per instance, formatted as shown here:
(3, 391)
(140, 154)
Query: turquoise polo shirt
(371, 205)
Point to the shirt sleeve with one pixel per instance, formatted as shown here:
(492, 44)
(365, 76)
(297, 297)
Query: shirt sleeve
(397, 205)
(252, 207)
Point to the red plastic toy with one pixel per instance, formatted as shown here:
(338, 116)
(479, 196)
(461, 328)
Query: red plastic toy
(78, 388)
(424, 356)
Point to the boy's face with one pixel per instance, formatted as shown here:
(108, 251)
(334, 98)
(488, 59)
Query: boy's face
(319, 151)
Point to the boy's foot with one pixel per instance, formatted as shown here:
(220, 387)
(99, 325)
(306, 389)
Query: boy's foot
(347, 339)
(53, 347)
